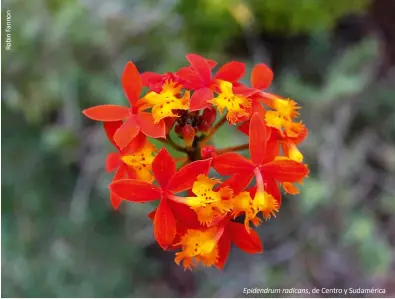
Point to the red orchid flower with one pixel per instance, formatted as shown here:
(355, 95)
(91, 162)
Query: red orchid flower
(126, 162)
(263, 165)
(198, 77)
(170, 182)
(114, 162)
(135, 120)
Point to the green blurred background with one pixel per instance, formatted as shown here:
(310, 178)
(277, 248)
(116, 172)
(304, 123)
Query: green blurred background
(60, 236)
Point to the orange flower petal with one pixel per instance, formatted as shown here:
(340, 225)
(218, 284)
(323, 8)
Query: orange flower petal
(135, 145)
(231, 163)
(258, 139)
(134, 190)
(261, 76)
(231, 71)
(126, 132)
(113, 161)
(115, 200)
(151, 215)
(238, 182)
(107, 113)
(163, 167)
(191, 79)
(121, 173)
(110, 127)
(131, 83)
(147, 78)
(199, 99)
(184, 178)
(285, 170)
(244, 127)
(149, 128)
(211, 63)
(164, 224)
(186, 217)
(200, 65)
(224, 245)
(248, 242)
(272, 149)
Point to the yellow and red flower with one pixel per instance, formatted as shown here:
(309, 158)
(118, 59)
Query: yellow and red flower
(170, 182)
(135, 119)
(198, 214)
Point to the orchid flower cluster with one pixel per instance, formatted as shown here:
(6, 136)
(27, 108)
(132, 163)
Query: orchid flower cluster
(197, 215)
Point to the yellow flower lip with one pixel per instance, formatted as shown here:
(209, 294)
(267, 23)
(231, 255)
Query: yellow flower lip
(141, 161)
(199, 246)
(164, 103)
(208, 204)
(283, 116)
(236, 105)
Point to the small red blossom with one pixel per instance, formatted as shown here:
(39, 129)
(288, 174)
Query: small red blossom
(135, 119)
(170, 182)
(197, 213)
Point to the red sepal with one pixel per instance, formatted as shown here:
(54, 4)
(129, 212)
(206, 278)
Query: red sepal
(248, 242)
(163, 167)
(231, 163)
(224, 245)
(164, 224)
(107, 113)
(131, 83)
(261, 76)
(238, 182)
(258, 139)
(200, 65)
(285, 170)
(126, 132)
(149, 128)
(231, 71)
(134, 190)
(110, 127)
(184, 178)
(113, 161)
(199, 99)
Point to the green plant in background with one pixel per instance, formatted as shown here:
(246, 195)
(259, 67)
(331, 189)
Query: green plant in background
(217, 20)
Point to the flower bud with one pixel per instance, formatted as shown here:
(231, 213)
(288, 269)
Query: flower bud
(204, 126)
(208, 152)
(188, 132)
(209, 115)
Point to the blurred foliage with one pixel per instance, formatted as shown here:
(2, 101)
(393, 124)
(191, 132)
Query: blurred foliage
(60, 236)
(216, 18)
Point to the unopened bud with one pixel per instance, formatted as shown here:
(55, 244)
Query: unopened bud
(208, 152)
(204, 126)
(209, 115)
(188, 132)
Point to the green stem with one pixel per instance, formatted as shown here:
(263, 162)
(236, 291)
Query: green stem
(213, 130)
(233, 148)
(174, 145)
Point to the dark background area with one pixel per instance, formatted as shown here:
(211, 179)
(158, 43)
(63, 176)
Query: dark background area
(60, 236)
